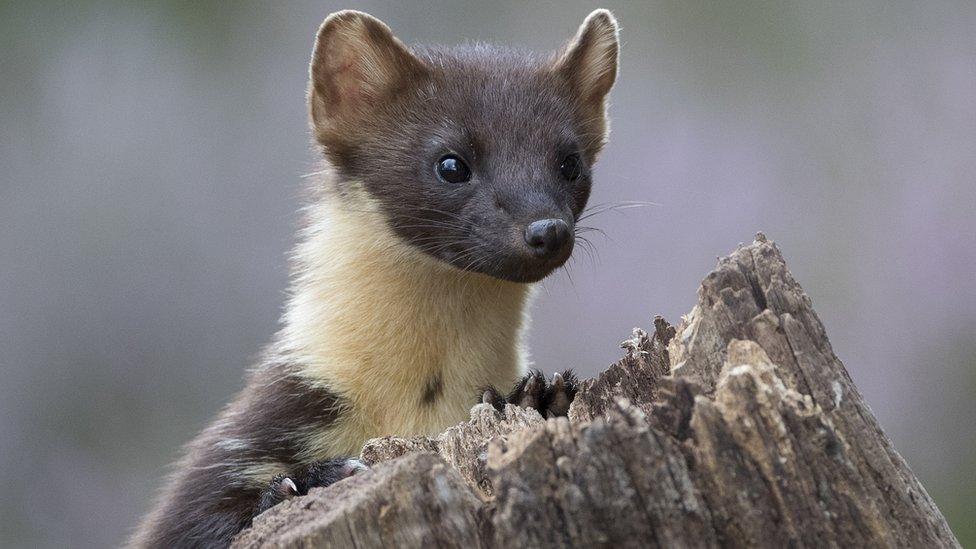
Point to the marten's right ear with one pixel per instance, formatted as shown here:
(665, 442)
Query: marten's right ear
(356, 63)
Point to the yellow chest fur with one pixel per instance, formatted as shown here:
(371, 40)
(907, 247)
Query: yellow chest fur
(406, 340)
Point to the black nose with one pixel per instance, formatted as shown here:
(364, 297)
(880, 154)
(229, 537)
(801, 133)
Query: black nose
(548, 238)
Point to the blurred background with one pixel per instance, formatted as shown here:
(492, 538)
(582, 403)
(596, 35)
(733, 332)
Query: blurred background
(151, 157)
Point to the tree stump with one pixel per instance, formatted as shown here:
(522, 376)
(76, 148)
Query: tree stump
(739, 427)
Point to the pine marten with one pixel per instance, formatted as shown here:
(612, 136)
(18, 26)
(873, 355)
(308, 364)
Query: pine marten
(452, 181)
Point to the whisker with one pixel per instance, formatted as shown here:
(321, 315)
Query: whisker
(313, 174)
(615, 206)
(579, 229)
(584, 247)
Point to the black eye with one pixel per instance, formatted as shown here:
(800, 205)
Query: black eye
(572, 168)
(452, 169)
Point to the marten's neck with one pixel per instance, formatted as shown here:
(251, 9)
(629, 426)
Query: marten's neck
(406, 338)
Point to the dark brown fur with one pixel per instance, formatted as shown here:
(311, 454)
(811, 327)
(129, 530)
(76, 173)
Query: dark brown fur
(209, 500)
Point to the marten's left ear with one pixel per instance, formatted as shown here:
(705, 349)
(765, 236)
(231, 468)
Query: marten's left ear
(589, 64)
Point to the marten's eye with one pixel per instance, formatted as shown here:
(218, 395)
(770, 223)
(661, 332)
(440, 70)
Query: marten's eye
(452, 169)
(572, 168)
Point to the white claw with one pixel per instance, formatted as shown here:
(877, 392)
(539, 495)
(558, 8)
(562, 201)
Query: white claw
(354, 466)
(290, 485)
(557, 379)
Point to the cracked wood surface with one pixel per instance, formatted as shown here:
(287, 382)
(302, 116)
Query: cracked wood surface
(739, 427)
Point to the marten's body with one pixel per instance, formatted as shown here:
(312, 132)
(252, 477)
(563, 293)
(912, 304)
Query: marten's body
(381, 343)
(410, 290)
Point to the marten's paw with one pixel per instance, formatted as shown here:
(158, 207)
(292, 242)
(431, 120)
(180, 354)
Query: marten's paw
(550, 397)
(316, 475)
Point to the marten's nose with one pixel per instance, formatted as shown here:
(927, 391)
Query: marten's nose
(548, 238)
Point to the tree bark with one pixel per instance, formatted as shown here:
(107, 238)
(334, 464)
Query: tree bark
(740, 427)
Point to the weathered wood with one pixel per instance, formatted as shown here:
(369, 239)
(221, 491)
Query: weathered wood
(739, 428)
(636, 376)
(415, 501)
(820, 468)
(464, 446)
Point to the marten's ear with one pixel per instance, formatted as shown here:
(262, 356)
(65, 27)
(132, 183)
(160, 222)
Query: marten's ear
(589, 64)
(356, 63)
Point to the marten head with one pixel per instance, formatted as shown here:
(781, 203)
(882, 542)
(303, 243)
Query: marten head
(479, 156)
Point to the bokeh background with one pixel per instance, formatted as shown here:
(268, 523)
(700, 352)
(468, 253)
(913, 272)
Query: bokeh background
(151, 157)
